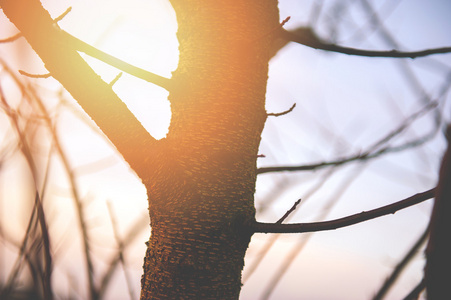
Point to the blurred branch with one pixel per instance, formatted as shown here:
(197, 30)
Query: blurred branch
(372, 151)
(343, 222)
(415, 293)
(34, 75)
(401, 265)
(250, 269)
(307, 37)
(304, 239)
(33, 98)
(11, 38)
(131, 234)
(41, 238)
(120, 250)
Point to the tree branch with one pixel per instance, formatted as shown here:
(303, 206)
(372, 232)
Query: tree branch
(94, 95)
(81, 46)
(342, 222)
(307, 37)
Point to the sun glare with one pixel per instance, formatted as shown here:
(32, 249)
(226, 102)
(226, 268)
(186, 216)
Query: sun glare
(142, 33)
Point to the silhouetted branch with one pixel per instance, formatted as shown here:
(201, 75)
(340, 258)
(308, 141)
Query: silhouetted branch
(307, 37)
(343, 222)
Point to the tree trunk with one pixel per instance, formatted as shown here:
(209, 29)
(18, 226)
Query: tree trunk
(203, 174)
(201, 178)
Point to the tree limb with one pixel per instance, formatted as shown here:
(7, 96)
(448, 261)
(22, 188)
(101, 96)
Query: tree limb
(81, 46)
(95, 96)
(307, 37)
(342, 222)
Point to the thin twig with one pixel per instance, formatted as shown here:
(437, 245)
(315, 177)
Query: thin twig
(282, 113)
(285, 216)
(115, 79)
(60, 17)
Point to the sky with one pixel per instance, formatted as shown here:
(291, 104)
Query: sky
(343, 105)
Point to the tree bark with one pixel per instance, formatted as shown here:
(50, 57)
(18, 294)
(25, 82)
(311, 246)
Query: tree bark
(201, 178)
(203, 175)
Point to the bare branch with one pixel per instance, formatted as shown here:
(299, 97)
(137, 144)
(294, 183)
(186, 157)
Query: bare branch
(307, 37)
(282, 113)
(81, 46)
(343, 222)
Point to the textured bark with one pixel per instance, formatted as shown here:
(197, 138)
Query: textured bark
(203, 182)
(201, 178)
